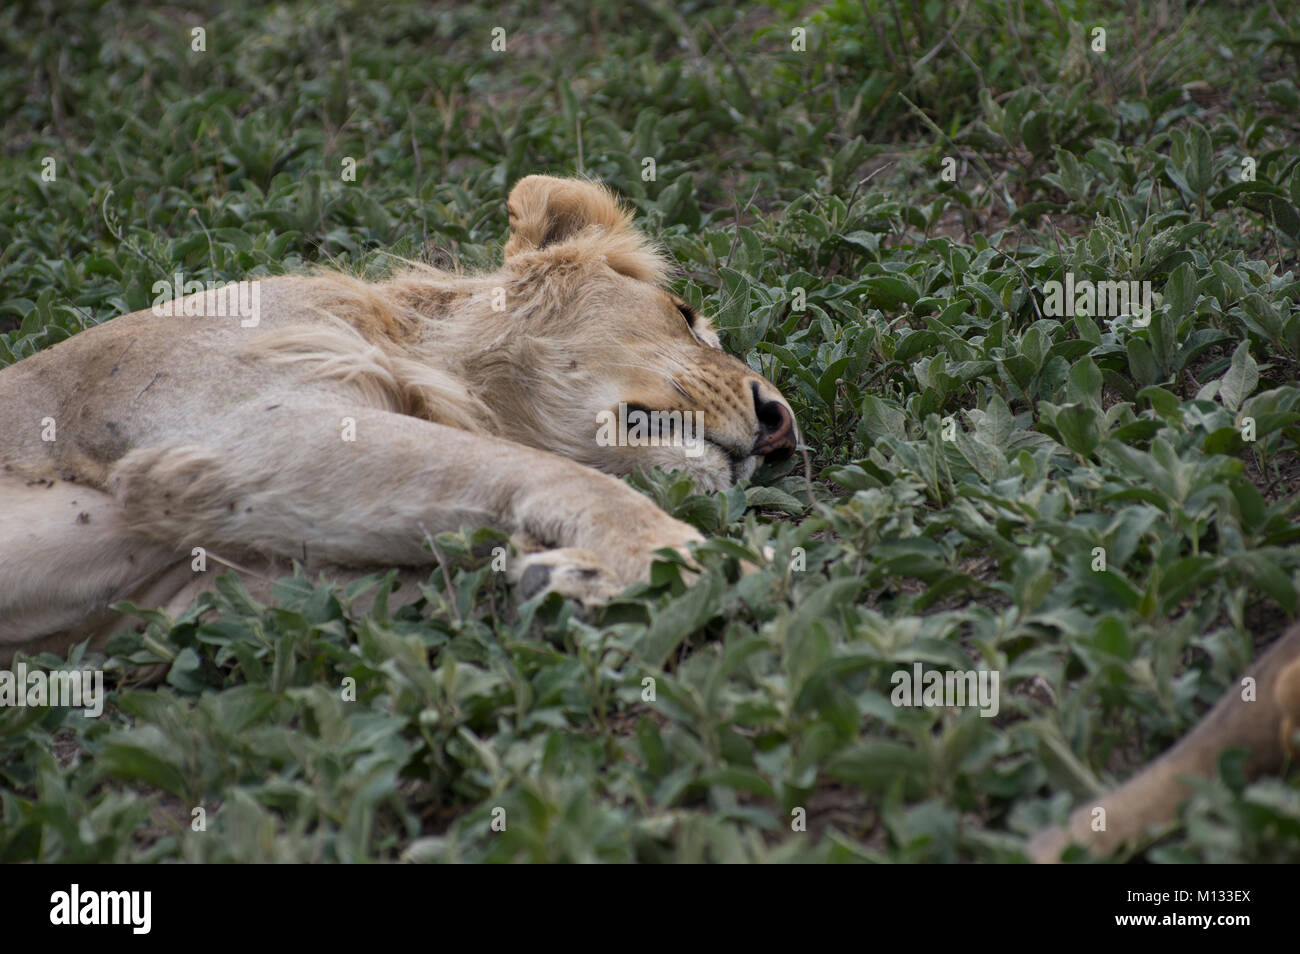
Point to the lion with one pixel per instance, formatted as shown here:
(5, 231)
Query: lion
(343, 423)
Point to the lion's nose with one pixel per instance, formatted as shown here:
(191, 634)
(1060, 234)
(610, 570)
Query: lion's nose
(776, 439)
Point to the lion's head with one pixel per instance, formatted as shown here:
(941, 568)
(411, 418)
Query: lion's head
(575, 346)
(611, 369)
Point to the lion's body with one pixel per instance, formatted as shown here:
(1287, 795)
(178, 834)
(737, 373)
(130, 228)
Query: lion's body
(346, 422)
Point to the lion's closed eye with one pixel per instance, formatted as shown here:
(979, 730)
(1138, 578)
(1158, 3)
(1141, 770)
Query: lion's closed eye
(699, 328)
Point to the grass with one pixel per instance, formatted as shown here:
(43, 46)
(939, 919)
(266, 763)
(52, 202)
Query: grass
(873, 221)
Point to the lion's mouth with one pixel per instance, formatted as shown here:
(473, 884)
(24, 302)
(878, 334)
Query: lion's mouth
(733, 453)
(740, 463)
(673, 425)
(671, 428)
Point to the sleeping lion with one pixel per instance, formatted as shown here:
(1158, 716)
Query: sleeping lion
(342, 423)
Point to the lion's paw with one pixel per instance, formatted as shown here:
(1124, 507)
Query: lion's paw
(574, 574)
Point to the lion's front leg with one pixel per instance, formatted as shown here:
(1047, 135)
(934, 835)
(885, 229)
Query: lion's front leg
(364, 487)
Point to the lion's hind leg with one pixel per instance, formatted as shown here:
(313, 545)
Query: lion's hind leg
(1261, 716)
(64, 556)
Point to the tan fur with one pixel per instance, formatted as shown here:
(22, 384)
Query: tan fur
(472, 400)
(1263, 725)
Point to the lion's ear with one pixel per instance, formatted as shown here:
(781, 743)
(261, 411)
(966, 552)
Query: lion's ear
(586, 220)
(545, 210)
